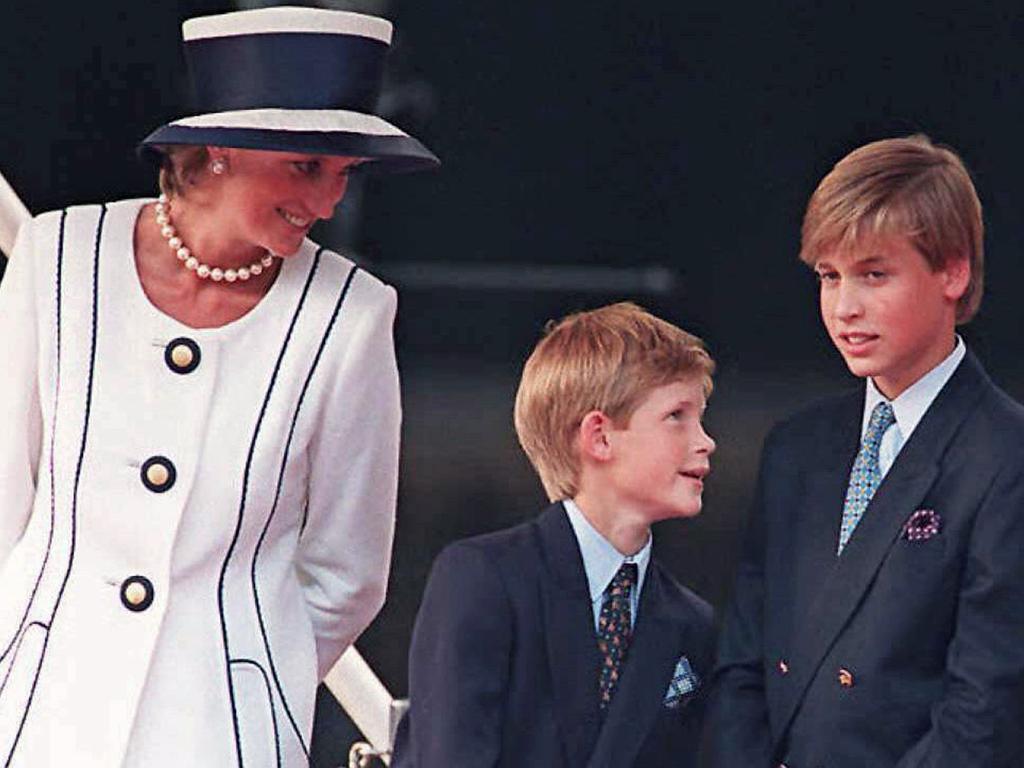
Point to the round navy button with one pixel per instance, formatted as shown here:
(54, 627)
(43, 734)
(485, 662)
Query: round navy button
(158, 474)
(182, 355)
(136, 593)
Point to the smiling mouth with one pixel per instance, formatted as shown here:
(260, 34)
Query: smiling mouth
(696, 474)
(856, 340)
(295, 221)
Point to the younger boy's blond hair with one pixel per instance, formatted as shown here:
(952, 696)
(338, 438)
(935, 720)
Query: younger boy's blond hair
(606, 360)
(907, 187)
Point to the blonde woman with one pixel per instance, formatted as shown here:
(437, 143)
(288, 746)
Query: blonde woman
(201, 412)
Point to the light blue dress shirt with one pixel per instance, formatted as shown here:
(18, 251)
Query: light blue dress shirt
(910, 407)
(601, 561)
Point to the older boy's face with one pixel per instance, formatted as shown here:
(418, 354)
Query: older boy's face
(890, 316)
(663, 454)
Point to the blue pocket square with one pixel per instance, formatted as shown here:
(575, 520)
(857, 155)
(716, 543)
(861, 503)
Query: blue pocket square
(685, 683)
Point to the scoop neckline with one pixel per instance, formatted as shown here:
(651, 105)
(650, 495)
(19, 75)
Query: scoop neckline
(285, 276)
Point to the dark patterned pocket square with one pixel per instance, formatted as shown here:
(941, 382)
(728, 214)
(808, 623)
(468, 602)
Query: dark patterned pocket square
(685, 683)
(922, 525)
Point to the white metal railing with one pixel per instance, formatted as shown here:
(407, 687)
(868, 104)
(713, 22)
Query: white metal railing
(12, 214)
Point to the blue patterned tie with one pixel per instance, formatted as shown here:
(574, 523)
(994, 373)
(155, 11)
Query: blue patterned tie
(866, 475)
(615, 629)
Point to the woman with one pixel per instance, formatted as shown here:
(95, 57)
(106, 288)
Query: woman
(198, 469)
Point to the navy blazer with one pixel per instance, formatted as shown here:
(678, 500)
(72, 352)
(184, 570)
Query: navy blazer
(903, 651)
(503, 666)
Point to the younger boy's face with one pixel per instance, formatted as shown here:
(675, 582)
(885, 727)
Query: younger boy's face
(890, 316)
(663, 455)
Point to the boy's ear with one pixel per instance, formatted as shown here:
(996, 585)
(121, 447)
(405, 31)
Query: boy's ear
(593, 437)
(957, 274)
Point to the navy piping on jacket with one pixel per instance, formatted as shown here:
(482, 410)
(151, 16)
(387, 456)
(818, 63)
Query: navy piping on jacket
(17, 647)
(78, 473)
(16, 637)
(270, 702)
(241, 508)
(277, 495)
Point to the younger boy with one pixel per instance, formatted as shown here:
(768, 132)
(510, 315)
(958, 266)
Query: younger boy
(878, 616)
(561, 642)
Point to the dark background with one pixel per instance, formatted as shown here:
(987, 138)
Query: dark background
(593, 151)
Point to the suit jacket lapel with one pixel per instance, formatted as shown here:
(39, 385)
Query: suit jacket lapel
(902, 490)
(815, 527)
(569, 631)
(660, 636)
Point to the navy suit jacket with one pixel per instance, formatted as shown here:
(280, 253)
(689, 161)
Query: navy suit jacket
(503, 666)
(899, 652)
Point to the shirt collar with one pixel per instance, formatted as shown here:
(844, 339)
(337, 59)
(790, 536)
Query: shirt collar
(601, 560)
(910, 407)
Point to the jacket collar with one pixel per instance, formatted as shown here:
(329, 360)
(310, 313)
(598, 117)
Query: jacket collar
(573, 659)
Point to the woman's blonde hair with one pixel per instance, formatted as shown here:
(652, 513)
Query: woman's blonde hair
(607, 360)
(907, 187)
(181, 165)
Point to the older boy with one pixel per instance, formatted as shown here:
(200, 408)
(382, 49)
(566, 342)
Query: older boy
(878, 617)
(562, 642)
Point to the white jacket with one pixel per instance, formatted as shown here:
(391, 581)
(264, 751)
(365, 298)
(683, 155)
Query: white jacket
(182, 615)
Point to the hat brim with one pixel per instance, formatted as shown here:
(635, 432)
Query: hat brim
(387, 148)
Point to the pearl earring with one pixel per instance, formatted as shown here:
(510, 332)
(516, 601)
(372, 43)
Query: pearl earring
(218, 166)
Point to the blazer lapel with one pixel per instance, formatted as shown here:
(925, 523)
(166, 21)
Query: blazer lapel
(908, 480)
(660, 636)
(569, 631)
(815, 527)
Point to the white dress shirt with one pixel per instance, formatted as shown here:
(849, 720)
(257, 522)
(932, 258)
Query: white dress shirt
(601, 561)
(910, 406)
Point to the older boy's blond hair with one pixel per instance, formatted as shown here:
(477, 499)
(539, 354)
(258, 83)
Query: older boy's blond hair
(908, 187)
(606, 360)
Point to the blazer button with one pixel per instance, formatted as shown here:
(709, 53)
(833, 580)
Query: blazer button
(136, 593)
(783, 667)
(182, 355)
(845, 678)
(158, 474)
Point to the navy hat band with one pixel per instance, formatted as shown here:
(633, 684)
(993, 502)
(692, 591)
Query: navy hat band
(287, 70)
(391, 153)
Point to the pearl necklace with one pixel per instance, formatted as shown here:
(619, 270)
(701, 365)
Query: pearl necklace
(163, 220)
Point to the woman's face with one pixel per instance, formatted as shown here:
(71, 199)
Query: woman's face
(271, 199)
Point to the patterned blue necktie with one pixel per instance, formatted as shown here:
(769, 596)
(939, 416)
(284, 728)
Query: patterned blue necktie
(615, 629)
(866, 475)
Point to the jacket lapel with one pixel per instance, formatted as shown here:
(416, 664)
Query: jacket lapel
(569, 632)
(904, 487)
(661, 635)
(815, 527)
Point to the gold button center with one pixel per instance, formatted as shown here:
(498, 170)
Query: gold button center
(135, 593)
(182, 356)
(157, 474)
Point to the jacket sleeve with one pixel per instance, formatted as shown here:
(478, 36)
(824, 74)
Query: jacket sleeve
(458, 666)
(738, 733)
(345, 548)
(977, 721)
(20, 416)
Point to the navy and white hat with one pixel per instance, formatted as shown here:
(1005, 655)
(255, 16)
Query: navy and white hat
(294, 80)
